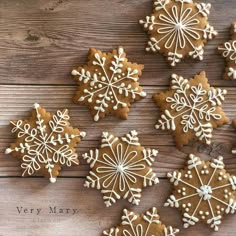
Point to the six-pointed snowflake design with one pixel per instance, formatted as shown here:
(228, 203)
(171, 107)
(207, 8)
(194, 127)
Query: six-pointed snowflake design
(178, 29)
(228, 51)
(148, 224)
(203, 191)
(121, 167)
(108, 84)
(191, 109)
(45, 142)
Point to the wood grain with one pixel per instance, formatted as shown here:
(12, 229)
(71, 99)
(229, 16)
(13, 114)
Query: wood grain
(40, 42)
(92, 217)
(17, 105)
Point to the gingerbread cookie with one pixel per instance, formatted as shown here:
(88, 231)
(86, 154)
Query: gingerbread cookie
(108, 84)
(120, 168)
(178, 29)
(148, 224)
(228, 51)
(45, 142)
(203, 192)
(191, 109)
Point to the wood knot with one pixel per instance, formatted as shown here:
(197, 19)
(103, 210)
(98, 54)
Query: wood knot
(32, 36)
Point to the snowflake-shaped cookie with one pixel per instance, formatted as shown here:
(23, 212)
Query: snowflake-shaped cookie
(121, 167)
(178, 29)
(228, 51)
(148, 224)
(45, 142)
(108, 84)
(191, 109)
(203, 191)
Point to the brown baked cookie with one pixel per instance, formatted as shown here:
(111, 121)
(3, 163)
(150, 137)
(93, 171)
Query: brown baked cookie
(45, 142)
(191, 109)
(108, 84)
(178, 29)
(228, 51)
(203, 192)
(147, 224)
(121, 168)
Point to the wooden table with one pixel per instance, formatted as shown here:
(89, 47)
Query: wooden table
(40, 42)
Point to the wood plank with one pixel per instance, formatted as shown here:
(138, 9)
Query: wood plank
(41, 41)
(92, 218)
(17, 101)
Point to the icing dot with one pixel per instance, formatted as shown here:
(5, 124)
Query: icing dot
(207, 213)
(200, 212)
(183, 205)
(217, 207)
(203, 217)
(226, 190)
(218, 212)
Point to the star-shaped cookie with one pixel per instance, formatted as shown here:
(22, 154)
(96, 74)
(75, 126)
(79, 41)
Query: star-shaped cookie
(108, 84)
(203, 192)
(178, 29)
(45, 142)
(228, 51)
(191, 109)
(121, 168)
(148, 224)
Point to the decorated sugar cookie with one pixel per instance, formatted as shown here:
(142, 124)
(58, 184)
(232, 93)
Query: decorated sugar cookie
(121, 168)
(108, 84)
(148, 224)
(45, 142)
(191, 109)
(203, 192)
(228, 51)
(178, 29)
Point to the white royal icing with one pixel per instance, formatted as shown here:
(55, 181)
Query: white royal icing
(40, 147)
(179, 27)
(148, 221)
(206, 191)
(196, 109)
(119, 167)
(106, 85)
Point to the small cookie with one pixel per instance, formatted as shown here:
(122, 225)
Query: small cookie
(203, 192)
(178, 29)
(121, 167)
(148, 224)
(228, 51)
(45, 142)
(108, 84)
(191, 109)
